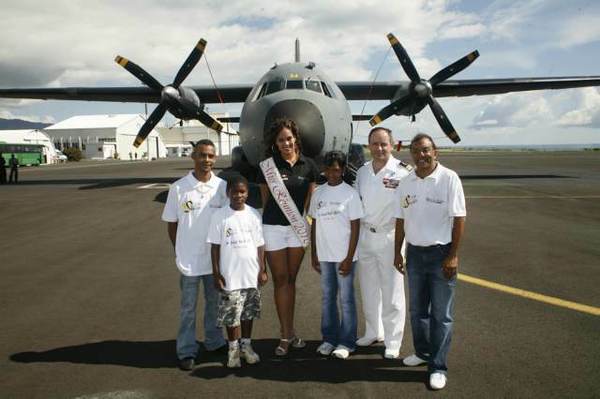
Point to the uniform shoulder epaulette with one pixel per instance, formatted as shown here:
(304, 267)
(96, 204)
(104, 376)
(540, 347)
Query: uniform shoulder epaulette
(405, 165)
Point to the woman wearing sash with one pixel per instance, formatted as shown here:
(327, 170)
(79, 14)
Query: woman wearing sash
(291, 176)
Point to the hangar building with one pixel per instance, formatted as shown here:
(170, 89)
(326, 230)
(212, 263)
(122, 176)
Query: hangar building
(107, 136)
(31, 136)
(177, 138)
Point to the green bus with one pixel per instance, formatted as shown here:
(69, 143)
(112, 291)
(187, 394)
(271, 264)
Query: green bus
(26, 154)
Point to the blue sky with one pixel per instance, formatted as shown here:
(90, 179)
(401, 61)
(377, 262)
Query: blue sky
(64, 44)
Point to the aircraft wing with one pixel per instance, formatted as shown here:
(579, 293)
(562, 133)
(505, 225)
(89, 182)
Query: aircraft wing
(141, 94)
(462, 88)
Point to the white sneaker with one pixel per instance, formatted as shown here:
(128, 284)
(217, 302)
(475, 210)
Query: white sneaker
(325, 349)
(413, 360)
(437, 381)
(233, 358)
(249, 355)
(391, 354)
(342, 352)
(367, 341)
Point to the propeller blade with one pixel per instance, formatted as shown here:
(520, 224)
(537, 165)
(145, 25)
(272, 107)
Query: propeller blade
(454, 68)
(209, 121)
(147, 127)
(389, 110)
(190, 63)
(442, 119)
(139, 73)
(404, 59)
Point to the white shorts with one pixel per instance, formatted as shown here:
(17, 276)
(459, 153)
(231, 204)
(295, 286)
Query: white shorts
(279, 237)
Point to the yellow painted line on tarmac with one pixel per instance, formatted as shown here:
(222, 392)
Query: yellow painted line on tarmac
(531, 295)
(531, 196)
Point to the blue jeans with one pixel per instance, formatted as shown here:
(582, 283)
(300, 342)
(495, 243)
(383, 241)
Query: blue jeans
(187, 346)
(431, 304)
(333, 331)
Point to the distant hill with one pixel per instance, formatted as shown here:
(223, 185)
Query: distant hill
(10, 124)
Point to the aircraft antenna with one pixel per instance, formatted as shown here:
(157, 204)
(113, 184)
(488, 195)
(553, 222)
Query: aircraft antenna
(219, 96)
(297, 52)
(362, 111)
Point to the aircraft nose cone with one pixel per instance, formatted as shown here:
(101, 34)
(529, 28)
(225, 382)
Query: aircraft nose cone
(308, 118)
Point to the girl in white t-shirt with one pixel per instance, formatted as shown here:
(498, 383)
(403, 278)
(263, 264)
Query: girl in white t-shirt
(336, 210)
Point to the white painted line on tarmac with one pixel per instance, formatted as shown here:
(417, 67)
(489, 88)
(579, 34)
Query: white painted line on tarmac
(69, 167)
(531, 295)
(154, 186)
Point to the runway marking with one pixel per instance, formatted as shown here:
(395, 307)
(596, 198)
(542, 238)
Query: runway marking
(531, 295)
(71, 166)
(531, 196)
(155, 186)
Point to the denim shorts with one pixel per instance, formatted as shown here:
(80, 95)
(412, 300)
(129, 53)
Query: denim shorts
(238, 305)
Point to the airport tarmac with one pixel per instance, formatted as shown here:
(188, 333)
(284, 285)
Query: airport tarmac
(89, 291)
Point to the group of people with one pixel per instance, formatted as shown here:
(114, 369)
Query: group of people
(13, 163)
(224, 243)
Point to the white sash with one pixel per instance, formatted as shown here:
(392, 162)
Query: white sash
(282, 197)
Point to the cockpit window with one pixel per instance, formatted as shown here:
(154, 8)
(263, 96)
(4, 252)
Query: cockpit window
(273, 87)
(259, 92)
(313, 85)
(294, 84)
(326, 90)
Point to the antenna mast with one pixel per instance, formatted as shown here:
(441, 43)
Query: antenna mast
(297, 54)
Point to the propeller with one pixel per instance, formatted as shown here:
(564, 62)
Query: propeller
(170, 95)
(421, 90)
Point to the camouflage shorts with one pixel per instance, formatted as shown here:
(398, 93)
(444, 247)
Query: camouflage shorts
(238, 305)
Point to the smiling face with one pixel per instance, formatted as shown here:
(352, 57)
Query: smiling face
(286, 142)
(380, 145)
(204, 157)
(238, 194)
(424, 156)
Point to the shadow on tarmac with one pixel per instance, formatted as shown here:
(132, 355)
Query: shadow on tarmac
(148, 354)
(300, 365)
(95, 183)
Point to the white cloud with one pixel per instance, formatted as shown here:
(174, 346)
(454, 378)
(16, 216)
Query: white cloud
(581, 29)
(587, 112)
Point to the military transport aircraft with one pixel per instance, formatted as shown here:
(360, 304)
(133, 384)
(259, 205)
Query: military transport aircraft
(304, 93)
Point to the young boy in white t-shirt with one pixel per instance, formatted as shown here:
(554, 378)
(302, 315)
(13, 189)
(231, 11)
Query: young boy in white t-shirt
(336, 209)
(237, 254)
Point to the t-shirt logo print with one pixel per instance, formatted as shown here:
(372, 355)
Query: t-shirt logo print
(187, 206)
(228, 232)
(406, 201)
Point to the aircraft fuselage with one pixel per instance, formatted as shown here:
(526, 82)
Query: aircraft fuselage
(303, 93)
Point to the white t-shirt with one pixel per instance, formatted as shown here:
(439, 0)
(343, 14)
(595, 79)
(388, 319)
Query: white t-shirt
(428, 206)
(191, 204)
(239, 233)
(334, 207)
(377, 191)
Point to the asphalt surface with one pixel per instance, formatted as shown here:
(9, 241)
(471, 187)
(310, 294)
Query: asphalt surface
(89, 291)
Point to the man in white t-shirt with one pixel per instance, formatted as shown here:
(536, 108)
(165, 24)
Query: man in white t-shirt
(430, 216)
(190, 204)
(381, 285)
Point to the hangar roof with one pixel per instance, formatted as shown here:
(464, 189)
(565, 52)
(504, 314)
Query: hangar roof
(95, 121)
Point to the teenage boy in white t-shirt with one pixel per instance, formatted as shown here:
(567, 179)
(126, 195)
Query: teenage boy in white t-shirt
(190, 204)
(336, 210)
(237, 254)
